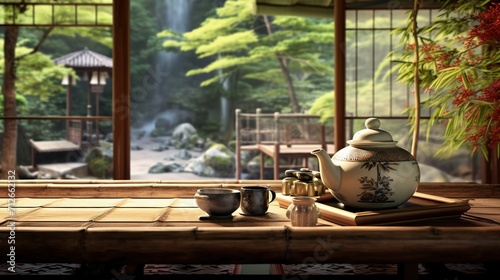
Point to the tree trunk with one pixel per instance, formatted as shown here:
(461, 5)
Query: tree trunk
(9, 101)
(416, 80)
(289, 83)
(286, 74)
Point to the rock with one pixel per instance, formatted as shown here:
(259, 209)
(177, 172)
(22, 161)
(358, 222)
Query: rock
(69, 176)
(100, 161)
(163, 123)
(23, 172)
(183, 154)
(135, 148)
(197, 166)
(432, 174)
(164, 168)
(158, 132)
(45, 176)
(141, 134)
(109, 138)
(183, 135)
(160, 148)
(157, 149)
(217, 161)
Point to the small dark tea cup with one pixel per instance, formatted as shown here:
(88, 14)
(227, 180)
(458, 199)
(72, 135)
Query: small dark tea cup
(255, 200)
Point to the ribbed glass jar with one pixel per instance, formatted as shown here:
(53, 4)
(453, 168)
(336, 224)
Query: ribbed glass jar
(303, 212)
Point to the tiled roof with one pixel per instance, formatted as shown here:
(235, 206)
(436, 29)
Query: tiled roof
(85, 59)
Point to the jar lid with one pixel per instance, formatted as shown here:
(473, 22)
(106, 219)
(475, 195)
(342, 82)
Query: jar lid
(372, 135)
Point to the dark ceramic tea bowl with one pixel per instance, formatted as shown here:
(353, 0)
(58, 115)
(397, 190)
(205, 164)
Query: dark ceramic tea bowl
(218, 202)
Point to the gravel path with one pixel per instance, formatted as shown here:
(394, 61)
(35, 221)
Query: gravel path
(141, 160)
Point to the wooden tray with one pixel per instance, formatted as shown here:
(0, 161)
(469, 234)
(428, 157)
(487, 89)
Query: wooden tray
(419, 207)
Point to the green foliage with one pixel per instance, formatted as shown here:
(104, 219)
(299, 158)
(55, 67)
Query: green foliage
(21, 103)
(232, 146)
(39, 91)
(324, 107)
(144, 42)
(456, 70)
(36, 74)
(244, 54)
(100, 164)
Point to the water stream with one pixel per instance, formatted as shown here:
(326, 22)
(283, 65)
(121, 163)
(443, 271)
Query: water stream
(173, 15)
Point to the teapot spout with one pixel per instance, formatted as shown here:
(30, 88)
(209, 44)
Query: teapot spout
(330, 173)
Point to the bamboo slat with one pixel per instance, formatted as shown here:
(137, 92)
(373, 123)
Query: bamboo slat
(63, 215)
(370, 244)
(147, 203)
(375, 244)
(127, 215)
(124, 188)
(152, 188)
(45, 244)
(112, 181)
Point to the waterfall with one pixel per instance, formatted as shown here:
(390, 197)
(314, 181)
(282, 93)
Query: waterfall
(173, 15)
(178, 16)
(224, 108)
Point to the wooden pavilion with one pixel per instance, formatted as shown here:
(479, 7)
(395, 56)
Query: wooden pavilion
(95, 68)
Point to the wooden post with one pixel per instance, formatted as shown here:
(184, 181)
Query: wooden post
(276, 159)
(68, 104)
(238, 143)
(89, 113)
(97, 115)
(262, 162)
(323, 138)
(339, 53)
(257, 125)
(490, 167)
(121, 90)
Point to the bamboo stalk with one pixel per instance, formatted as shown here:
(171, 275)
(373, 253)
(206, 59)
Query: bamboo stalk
(370, 244)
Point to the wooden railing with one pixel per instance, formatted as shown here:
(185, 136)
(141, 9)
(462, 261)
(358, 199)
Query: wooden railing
(273, 131)
(282, 128)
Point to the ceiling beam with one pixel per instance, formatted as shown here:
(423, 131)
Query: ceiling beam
(324, 8)
(260, 8)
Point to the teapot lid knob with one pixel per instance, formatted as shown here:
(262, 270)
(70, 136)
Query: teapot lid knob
(372, 123)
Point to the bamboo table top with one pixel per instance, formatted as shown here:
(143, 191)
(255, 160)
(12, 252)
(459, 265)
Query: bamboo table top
(122, 212)
(168, 212)
(149, 228)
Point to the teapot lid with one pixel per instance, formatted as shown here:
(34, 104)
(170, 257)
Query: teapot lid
(372, 135)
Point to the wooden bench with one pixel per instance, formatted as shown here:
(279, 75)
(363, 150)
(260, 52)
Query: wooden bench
(61, 147)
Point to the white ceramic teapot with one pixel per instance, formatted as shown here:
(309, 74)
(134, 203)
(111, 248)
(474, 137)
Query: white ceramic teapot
(372, 172)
